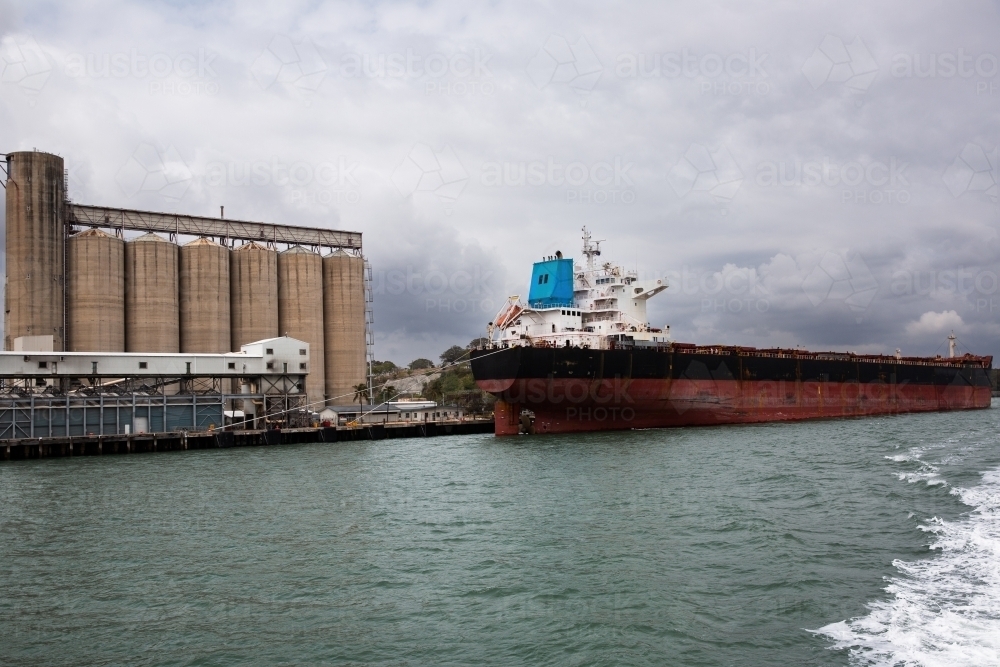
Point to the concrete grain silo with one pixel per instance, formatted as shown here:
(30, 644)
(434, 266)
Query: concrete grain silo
(344, 324)
(35, 239)
(204, 289)
(254, 294)
(95, 292)
(300, 312)
(151, 300)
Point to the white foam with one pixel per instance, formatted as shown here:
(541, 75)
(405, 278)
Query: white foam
(913, 454)
(923, 475)
(944, 610)
(926, 473)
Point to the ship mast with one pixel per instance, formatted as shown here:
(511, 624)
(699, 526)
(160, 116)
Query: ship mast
(590, 249)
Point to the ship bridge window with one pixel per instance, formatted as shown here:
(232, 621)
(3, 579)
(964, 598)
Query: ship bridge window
(542, 279)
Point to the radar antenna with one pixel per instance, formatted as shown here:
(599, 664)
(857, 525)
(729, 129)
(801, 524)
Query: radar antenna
(591, 249)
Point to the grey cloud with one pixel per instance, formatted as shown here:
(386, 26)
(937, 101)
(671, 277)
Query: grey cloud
(804, 158)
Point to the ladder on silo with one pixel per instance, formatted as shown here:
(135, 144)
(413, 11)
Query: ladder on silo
(369, 330)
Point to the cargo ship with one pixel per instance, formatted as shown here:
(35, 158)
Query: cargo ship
(580, 355)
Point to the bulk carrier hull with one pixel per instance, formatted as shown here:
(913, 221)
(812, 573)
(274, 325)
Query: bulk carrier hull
(572, 389)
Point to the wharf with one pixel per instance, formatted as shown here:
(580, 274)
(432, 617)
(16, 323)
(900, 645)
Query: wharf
(140, 443)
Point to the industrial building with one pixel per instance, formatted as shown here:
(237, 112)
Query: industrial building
(89, 279)
(125, 392)
(399, 412)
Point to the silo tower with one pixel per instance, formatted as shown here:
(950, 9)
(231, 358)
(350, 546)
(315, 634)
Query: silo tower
(344, 323)
(253, 282)
(151, 298)
(204, 297)
(95, 292)
(300, 312)
(34, 301)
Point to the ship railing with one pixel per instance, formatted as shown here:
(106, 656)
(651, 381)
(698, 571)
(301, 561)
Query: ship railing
(641, 326)
(968, 360)
(538, 305)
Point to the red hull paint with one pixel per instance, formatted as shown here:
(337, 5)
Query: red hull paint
(571, 405)
(506, 420)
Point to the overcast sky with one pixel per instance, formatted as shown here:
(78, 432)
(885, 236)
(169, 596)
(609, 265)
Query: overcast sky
(822, 176)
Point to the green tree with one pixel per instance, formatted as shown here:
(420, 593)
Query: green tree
(386, 393)
(420, 364)
(453, 354)
(383, 367)
(456, 385)
(360, 392)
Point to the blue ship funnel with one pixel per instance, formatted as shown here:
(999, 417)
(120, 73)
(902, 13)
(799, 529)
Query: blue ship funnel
(551, 284)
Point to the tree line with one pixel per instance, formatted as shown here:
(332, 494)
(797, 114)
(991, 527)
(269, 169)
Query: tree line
(452, 383)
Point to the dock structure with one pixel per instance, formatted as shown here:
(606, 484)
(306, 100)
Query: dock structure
(64, 394)
(98, 445)
(99, 279)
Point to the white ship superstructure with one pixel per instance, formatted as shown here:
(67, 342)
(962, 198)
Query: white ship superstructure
(586, 306)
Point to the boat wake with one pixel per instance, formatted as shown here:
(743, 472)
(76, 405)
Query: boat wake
(927, 472)
(944, 610)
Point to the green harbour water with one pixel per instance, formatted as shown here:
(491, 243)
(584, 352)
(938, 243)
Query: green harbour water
(737, 545)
